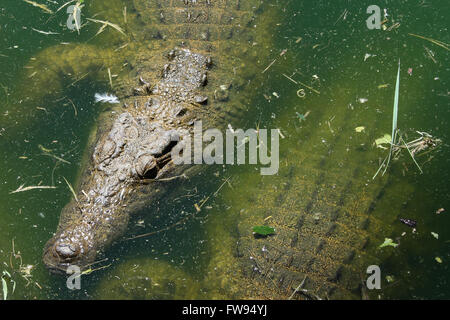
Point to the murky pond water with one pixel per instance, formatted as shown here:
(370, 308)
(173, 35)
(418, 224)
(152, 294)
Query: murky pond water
(328, 86)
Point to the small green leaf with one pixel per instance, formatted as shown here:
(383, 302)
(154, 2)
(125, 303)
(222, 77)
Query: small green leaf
(5, 289)
(439, 260)
(301, 117)
(386, 139)
(388, 242)
(434, 234)
(263, 230)
(360, 129)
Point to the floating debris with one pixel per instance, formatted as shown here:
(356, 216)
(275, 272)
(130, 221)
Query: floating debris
(438, 260)
(343, 16)
(71, 189)
(430, 54)
(268, 67)
(107, 23)
(368, 55)
(263, 231)
(436, 42)
(434, 234)
(41, 6)
(440, 210)
(388, 243)
(386, 139)
(302, 117)
(363, 100)
(140, 223)
(44, 32)
(360, 129)
(48, 152)
(107, 98)
(408, 222)
(22, 189)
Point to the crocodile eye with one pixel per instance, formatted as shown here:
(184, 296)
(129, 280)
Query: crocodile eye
(144, 164)
(66, 251)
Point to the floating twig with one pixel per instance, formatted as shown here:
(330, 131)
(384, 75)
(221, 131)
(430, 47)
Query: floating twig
(47, 152)
(22, 189)
(289, 78)
(312, 89)
(301, 83)
(268, 67)
(436, 42)
(65, 4)
(110, 78)
(44, 32)
(343, 15)
(298, 288)
(406, 145)
(115, 26)
(71, 189)
(74, 108)
(41, 6)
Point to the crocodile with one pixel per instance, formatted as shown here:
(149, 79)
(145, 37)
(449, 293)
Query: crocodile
(328, 214)
(187, 60)
(181, 61)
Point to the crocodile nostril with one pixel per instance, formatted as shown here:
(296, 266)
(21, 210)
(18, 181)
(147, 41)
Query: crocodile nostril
(66, 251)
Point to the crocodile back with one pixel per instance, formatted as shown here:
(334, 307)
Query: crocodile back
(232, 33)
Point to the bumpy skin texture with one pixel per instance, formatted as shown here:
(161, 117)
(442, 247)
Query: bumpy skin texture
(179, 53)
(189, 62)
(329, 217)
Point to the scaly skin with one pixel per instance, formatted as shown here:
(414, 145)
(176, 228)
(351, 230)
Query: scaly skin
(161, 80)
(326, 211)
(185, 61)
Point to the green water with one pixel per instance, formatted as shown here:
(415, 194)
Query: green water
(329, 57)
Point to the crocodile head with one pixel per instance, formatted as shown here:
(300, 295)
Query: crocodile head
(135, 150)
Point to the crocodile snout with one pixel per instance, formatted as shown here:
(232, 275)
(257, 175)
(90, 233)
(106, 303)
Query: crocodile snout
(60, 254)
(66, 251)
